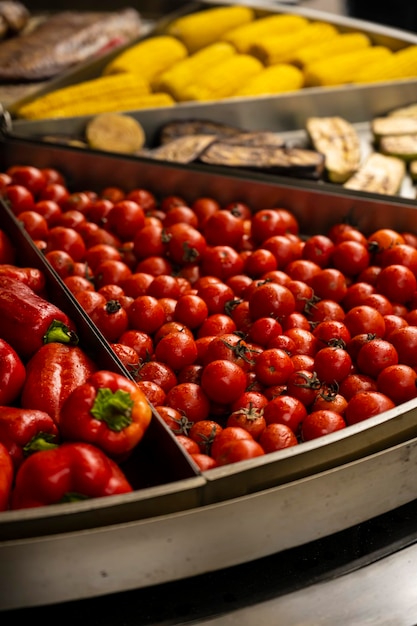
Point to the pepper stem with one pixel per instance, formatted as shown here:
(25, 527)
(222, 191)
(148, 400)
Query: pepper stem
(58, 332)
(114, 408)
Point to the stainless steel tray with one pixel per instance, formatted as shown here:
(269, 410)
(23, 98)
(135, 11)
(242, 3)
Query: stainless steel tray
(378, 33)
(99, 546)
(286, 115)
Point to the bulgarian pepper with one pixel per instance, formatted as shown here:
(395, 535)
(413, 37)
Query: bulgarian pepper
(28, 321)
(6, 477)
(30, 276)
(52, 373)
(12, 373)
(109, 411)
(69, 472)
(24, 431)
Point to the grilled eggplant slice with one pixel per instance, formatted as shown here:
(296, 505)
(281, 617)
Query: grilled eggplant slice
(339, 142)
(393, 125)
(407, 111)
(182, 149)
(298, 162)
(261, 139)
(401, 146)
(181, 128)
(379, 174)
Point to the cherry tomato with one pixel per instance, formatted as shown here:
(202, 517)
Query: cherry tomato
(350, 257)
(353, 383)
(18, 198)
(366, 404)
(204, 433)
(277, 437)
(221, 261)
(223, 381)
(223, 228)
(239, 450)
(273, 367)
(34, 223)
(285, 409)
(332, 364)
(159, 372)
(68, 240)
(29, 176)
(146, 314)
(304, 385)
(184, 244)
(320, 423)
(176, 350)
(404, 341)
(318, 248)
(111, 319)
(125, 218)
(398, 382)
(397, 282)
(271, 300)
(364, 319)
(375, 355)
(190, 400)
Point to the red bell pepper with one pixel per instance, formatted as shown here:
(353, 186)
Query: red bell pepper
(68, 473)
(6, 477)
(108, 410)
(28, 321)
(12, 373)
(30, 276)
(51, 374)
(24, 431)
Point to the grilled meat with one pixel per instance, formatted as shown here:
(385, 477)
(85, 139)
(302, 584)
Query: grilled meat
(62, 40)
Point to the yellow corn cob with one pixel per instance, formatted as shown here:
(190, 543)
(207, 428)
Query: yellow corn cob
(125, 92)
(224, 78)
(178, 77)
(282, 48)
(402, 64)
(342, 69)
(149, 57)
(343, 43)
(273, 79)
(200, 29)
(244, 36)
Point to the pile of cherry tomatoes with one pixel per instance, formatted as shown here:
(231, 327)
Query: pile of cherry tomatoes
(246, 336)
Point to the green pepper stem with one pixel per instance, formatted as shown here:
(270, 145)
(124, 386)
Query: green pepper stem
(114, 408)
(58, 332)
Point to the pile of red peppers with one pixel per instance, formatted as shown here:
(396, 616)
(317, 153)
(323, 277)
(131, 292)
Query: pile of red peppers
(65, 424)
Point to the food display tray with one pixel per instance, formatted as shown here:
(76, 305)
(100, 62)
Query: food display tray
(190, 522)
(379, 35)
(286, 115)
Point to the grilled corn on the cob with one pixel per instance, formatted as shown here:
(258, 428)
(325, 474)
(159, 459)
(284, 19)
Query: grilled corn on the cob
(122, 92)
(340, 44)
(338, 141)
(343, 68)
(148, 58)
(224, 78)
(183, 73)
(282, 48)
(402, 64)
(244, 36)
(200, 29)
(273, 79)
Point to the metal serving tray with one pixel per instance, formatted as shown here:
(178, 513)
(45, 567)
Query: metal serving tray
(90, 548)
(379, 34)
